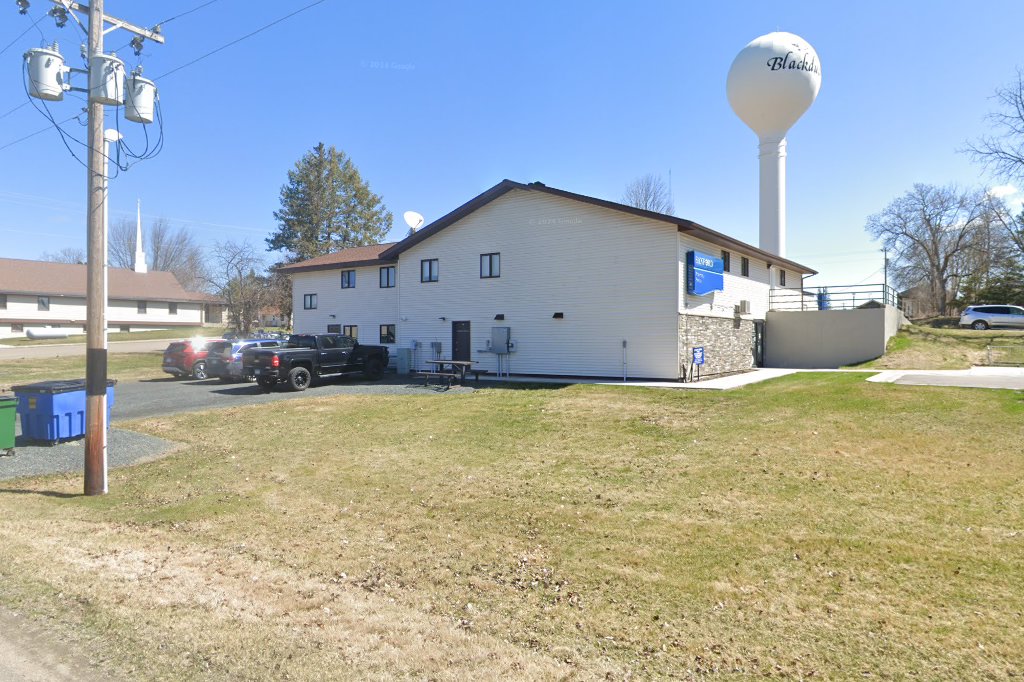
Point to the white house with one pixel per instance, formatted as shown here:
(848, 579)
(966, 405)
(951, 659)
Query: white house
(35, 294)
(587, 287)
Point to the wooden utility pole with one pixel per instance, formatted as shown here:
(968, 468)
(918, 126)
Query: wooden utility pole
(95, 300)
(96, 247)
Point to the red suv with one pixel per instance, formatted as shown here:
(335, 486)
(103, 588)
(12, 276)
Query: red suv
(187, 358)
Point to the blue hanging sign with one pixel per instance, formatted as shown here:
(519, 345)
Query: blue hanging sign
(703, 273)
(698, 355)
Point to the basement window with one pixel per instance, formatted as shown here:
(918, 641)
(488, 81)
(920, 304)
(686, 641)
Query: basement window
(172, 308)
(141, 307)
(44, 302)
(3, 301)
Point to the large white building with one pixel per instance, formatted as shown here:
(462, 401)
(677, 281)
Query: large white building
(39, 294)
(588, 288)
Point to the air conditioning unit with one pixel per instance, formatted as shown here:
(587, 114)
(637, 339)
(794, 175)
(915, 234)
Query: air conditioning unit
(743, 308)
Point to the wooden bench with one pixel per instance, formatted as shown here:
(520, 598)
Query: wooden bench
(428, 375)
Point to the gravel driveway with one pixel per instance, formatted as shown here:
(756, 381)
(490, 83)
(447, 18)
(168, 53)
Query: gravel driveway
(155, 397)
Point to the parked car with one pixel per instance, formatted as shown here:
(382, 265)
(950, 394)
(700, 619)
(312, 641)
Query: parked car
(987, 316)
(224, 359)
(307, 356)
(187, 358)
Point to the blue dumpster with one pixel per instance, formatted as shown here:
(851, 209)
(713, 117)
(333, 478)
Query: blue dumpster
(53, 411)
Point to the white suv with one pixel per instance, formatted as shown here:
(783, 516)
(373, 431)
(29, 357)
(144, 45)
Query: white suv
(986, 316)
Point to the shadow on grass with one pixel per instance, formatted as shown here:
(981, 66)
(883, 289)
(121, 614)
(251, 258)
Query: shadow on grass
(43, 493)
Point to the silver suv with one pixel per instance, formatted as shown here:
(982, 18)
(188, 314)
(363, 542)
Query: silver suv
(986, 316)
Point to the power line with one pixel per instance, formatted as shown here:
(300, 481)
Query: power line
(238, 40)
(5, 115)
(10, 44)
(176, 16)
(38, 132)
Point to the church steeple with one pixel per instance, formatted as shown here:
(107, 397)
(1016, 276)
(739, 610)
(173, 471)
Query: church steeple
(140, 255)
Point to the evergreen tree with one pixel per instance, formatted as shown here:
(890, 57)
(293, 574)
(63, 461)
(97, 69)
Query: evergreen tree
(326, 206)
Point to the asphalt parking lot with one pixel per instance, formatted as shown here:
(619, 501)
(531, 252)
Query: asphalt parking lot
(155, 397)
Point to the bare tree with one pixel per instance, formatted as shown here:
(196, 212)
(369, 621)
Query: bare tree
(167, 249)
(931, 230)
(1012, 225)
(69, 254)
(1002, 153)
(650, 193)
(280, 295)
(234, 275)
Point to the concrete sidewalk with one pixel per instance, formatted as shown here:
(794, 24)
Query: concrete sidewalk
(976, 377)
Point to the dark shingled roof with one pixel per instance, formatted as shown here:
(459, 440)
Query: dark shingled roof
(353, 257)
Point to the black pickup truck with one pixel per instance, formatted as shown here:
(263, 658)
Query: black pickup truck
(306, 356)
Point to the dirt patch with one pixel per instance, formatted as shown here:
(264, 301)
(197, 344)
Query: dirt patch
(30, 653)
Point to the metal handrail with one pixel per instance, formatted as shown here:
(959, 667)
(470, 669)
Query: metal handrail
(847, 297)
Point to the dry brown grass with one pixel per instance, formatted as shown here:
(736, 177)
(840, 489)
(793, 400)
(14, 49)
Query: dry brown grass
(921, 347)
(817, 525)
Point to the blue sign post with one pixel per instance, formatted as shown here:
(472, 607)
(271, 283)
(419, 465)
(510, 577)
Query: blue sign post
(698, 355)
(704, 273)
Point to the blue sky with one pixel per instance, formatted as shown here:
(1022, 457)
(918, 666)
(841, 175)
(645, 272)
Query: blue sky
(437, 102)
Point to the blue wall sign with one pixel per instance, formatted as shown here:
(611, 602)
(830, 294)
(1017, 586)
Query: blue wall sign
(698, 355)
(703, 273)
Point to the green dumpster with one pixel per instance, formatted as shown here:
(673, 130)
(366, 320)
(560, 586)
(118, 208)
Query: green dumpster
(7, 411)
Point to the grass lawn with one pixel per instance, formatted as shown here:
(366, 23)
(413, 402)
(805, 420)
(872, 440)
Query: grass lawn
(815, 525)
(120, 366)
(920, 347)
(171, 333)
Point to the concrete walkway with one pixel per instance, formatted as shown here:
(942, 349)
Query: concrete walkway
(976, 377)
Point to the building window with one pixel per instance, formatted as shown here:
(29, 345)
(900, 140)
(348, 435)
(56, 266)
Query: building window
(428, 270)
(172, 308)
(309, 302)
(141, 307)
(17, 327)
(387, 277)
(490, 265)
(726, 261)
(745, 266)
(351, 330)
(348, 279)
(3, 301)
(334, 329)
(387, 333)
(782, 278)
(44, 302)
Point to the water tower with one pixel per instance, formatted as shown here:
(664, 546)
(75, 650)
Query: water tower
(771, 83)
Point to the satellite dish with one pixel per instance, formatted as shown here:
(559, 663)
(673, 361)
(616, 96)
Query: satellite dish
(413, 219)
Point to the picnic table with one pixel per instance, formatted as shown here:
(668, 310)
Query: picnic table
(448, 369)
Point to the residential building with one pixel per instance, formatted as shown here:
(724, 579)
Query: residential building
(587, 287)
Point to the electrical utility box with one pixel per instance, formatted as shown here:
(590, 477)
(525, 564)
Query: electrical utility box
(501, 340)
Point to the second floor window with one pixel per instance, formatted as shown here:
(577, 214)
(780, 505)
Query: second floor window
(745, 266)
(172, 308)
(348, 279)
(387, 277)
(490, 265)
(428, 270)
(351, 330)
(782, 278)
(44, 302)
(3, 301)
(309, 302)
(725, 261)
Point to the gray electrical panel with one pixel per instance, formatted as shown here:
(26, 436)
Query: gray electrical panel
(501, 337)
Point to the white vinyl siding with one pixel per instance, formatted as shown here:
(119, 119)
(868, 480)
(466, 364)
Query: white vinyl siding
(70, 311)
(612, 275)
(753, 288)
(365, 306)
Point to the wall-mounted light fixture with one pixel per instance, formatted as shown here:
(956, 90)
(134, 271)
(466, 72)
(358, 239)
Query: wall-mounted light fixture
(442, 318)
(331, 316)
(558, 316)
(500, 316)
